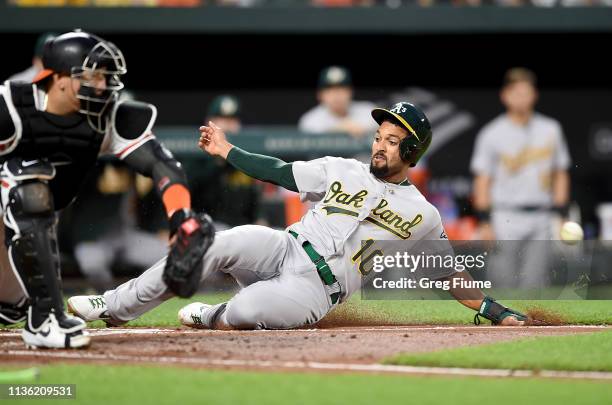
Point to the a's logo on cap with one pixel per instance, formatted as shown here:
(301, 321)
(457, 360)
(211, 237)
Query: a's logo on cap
(398, 108)
(228, 106)
(335, 75)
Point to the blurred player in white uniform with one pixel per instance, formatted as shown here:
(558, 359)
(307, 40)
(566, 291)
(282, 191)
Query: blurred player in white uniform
(520, 164)
(337, 111)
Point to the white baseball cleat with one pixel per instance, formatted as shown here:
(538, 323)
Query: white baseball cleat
(66, 333)
(89, 307)
(199, 315)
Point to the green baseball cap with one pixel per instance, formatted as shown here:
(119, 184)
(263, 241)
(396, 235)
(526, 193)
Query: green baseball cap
(335, 76)
(224, 106)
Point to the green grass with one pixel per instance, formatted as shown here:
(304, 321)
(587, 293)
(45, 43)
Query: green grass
(581, 352)
(402, 312)
(157, 385)
(391, 312)
(451, 312)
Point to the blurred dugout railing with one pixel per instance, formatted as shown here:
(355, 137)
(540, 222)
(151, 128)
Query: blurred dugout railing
(276, 141)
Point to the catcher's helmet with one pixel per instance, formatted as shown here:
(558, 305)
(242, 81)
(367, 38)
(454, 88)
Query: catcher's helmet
(415, 122)
(80, 55)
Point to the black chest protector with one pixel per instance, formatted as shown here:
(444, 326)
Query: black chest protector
(68, 142)
(65, 139)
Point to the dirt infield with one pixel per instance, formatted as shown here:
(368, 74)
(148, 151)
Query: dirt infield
(355, 348)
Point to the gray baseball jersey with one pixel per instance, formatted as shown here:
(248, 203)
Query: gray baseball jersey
(520, 160)
(352, 206)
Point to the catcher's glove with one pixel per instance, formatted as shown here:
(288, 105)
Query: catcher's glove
(194, 235)
(496, 312)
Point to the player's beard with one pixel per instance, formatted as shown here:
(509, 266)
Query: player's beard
(379, 172)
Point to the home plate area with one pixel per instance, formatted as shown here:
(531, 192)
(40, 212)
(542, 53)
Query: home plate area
(344, 349)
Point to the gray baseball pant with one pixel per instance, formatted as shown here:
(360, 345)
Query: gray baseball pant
(523, 258)
(280, 287)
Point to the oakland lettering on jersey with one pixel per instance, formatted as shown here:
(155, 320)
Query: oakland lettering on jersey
(392, 221)
(337, 195)
(380, 216)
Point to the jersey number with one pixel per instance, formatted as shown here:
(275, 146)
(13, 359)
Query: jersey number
(365, 255)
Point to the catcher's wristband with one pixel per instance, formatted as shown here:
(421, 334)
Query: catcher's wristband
(483, 216)
(495, 312)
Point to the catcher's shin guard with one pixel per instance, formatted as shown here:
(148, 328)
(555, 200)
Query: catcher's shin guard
(29, 220)
(194, 235)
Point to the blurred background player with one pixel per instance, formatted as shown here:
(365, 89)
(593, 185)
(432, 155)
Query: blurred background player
(337, 111)
(30, 73)
(226, 111)
(520, 163)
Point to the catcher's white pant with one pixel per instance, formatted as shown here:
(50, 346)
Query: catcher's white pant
(281, 288)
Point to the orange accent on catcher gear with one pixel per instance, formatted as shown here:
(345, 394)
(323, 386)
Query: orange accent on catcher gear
(43, 74)
(176, 197)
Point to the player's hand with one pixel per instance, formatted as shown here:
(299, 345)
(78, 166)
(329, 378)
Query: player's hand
(213, 140)
(511, 321)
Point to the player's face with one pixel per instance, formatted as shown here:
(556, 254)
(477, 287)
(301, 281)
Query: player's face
(519, 97)
(95, 79)
(386, 161)
(65, 93)
(337, 99)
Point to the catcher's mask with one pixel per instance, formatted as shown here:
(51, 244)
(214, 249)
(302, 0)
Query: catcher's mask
(84, 57)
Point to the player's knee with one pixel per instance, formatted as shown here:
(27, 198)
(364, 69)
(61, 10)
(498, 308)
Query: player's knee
(224, 247)
(244, 313)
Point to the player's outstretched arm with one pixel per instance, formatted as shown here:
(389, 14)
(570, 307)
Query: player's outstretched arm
(485, 306)
(261, 167)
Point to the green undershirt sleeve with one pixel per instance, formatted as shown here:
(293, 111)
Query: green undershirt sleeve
(261, 167)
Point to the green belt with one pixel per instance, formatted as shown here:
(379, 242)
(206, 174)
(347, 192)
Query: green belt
(323, 269)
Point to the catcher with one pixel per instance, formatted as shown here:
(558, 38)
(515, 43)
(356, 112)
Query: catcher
(296, 277)
(51, 133)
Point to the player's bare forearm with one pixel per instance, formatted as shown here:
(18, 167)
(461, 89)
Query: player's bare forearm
(482, 186)
(561, 186)
(482, 206)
